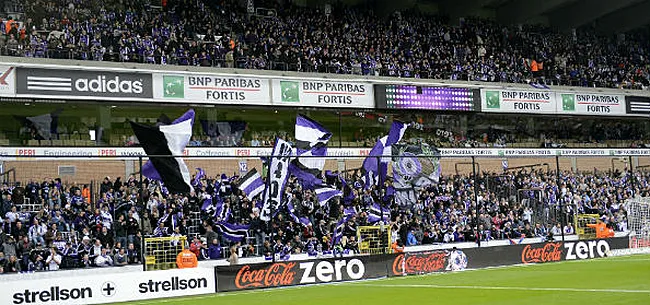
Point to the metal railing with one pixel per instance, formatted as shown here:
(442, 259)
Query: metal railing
(219, 61)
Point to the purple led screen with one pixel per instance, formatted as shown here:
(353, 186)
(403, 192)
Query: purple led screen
(430, 98)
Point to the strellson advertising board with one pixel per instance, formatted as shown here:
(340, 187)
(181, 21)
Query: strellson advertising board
(211, 89)
(81, 84)
(317, 93)
(108, 288)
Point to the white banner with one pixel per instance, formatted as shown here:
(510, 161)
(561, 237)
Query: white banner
(211, 89)
(7, 81)
(279, 172)
(131, 153)
(299, 93)
(590, 104)
(109, 288)
(518, 101)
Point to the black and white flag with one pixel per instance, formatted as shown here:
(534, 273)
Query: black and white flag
(278, 173)
(167, 140)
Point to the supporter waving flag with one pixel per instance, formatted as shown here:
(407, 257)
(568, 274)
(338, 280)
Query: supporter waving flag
(305, 221)
(197, 178)
(375, 168)
(232, 232)
(278, 174)
(311, 143)
(167, 140)
(324, 193)
(347, 191)
(378, 213)
(251, 184)
(339, 228)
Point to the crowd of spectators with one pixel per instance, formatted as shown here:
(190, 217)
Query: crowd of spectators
(49, 225)
(347, 40)
(447, 212)
(66, 228)
(67, 231)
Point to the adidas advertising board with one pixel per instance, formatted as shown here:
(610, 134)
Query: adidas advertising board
(82, 84)
(109, 288)
(316, 93)
(211, 89)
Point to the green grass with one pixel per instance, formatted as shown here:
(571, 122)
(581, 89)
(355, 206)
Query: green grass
(619, 280)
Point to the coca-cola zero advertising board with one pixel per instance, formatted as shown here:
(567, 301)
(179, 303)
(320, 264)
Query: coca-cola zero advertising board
(280, 274)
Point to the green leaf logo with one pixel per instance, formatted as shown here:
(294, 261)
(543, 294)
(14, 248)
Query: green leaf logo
(290, 91)
(173, 86)
(493, 99)
(568, 102)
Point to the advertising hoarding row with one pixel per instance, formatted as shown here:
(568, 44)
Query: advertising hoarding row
(550, 102)
(133, 286)
(188, 88)
(129, 153)
(229, 89)
(109, 288)
(290, 273)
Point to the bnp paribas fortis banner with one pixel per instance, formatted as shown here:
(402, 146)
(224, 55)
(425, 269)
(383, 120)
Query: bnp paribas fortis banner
(547, 102)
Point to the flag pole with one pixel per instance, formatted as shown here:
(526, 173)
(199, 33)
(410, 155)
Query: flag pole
(264, 199)
(380, 186)
(478, 239)
(559, 198)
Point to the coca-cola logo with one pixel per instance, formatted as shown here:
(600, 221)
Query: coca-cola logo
(549, 252)
(278, 274)
(419, 263)
(636, 242)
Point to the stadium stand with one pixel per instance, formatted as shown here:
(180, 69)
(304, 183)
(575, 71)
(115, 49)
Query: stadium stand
(408, 45)
(48, 225)
(81, 226)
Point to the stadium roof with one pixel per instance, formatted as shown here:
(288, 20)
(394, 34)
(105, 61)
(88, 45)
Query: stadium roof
(607, 15)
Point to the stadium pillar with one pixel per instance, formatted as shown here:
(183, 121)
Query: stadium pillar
(475, 186)
(632, 176)
(140, 202)
(340, 129)
(559, 199)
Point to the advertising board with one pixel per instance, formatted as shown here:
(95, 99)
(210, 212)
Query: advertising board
(320, 93)
(211, 89)
(280, 274)
(425, 98)
(129, 153)
(518, 101)
(81, 84)
(7, 81)
(109, 288)
(590, 104)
